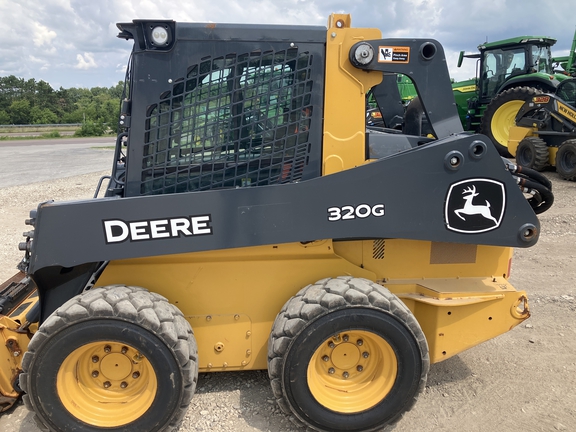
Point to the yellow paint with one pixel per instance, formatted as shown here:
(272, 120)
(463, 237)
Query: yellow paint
(106, 384)
(465, 89)
(567, 112)
(254, 283)
(552, 155)
(458, 314)
(14, 344)
(345, 92)
(230, 337)
(352, 371)
(503, 119)
(517, 134)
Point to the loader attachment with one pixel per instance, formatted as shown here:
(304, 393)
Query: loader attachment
(18, 297)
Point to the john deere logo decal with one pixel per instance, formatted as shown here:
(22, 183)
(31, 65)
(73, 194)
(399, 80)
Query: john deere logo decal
(475, 206)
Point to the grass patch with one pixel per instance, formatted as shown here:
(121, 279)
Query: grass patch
(33, 137)
(16, 129)
(51, 134)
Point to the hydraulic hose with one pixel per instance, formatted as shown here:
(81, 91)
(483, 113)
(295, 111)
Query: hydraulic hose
(533, 183)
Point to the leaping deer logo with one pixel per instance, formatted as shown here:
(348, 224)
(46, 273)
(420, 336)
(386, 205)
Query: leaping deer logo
(472, 209)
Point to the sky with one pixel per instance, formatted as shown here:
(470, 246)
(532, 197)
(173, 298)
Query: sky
(73, 43)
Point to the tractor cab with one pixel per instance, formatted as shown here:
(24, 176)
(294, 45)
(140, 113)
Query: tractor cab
(503, 63)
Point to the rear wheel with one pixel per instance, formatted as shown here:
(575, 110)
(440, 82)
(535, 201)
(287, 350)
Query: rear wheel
(566, 160)
(346, 355)
(501, 113)
(532, 153)
(113, 358)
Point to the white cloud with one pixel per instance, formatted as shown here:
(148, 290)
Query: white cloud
(43, 35)
(60, 29)
(86, 61)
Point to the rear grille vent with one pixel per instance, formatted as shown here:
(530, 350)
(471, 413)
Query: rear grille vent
(378, 249)
(234, 121)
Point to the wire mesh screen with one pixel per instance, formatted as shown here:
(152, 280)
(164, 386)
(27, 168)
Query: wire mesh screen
(236, 121)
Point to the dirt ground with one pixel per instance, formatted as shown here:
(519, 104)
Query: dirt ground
(524, 380)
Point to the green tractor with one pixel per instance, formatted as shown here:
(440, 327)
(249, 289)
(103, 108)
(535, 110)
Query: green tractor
(508, 72)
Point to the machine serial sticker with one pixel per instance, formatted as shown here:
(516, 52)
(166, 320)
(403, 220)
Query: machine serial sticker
(475, 206)
(360, 211)
(117, 230)
(566, 111)
(387, 54)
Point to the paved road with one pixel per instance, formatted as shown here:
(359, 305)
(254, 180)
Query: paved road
(31, 161)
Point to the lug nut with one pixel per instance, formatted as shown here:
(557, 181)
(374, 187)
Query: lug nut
(124, 350)
(95, 374)
(345, 338)
(136, 375)
(107, 349)
(331, 371)
(359, 342)
(107, 384)
(345, 375)
(95, 359)
(365, 354)
(359, 368)
(123, 384)
(331, 344)
(325, 358)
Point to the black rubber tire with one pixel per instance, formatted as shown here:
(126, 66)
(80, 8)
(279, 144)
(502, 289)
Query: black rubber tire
(566, 160)
(498, 132)
(532, 152)
(120, 314)
(331, 306)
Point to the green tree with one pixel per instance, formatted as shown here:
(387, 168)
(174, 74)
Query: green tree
(4, 118)
(20, 112)
(42, 116)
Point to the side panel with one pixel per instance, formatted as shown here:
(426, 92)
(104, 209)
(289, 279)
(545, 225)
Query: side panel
(231, 298)
(417, 194)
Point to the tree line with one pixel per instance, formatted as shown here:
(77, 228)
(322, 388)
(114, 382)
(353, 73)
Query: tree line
(36, 102)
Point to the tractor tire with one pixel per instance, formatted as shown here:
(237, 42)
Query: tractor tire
(566, 160)
(115, 358)
(501, 113)
(345, 354)
(532, 153)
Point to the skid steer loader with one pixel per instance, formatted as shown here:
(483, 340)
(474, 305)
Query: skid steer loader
(251, 222)
(545, 131)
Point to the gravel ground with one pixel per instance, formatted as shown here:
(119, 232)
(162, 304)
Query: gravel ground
(523, 380)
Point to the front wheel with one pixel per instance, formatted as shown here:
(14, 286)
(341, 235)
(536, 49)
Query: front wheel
(111, 359)
(566, 160)
(532, 153)
(346, 355)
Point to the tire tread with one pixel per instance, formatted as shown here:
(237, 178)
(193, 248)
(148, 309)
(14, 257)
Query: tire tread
(126, 303)
(339, 293)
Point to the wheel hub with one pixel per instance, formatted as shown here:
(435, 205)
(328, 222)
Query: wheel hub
(345, 356)
(352, 371)
(116, 366)
(106, 374)
(503, 119)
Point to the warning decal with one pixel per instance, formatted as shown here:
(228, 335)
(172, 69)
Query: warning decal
(388, 54)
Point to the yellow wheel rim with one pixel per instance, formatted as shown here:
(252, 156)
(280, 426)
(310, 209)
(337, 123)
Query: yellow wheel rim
(503, 119)
(352, 372)
(106, 384)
